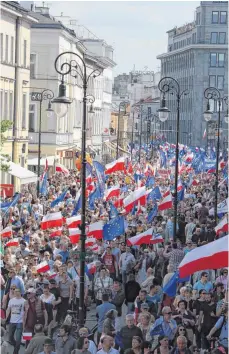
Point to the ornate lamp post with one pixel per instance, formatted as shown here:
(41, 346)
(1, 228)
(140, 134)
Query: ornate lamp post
(212, 93)
(169, 85)
(75, 70)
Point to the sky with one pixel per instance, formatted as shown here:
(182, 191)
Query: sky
(135, 29)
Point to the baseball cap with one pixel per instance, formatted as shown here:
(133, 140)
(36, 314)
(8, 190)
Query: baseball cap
(144, 305)
(31, 290)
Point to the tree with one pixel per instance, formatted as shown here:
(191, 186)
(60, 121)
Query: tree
(4, 126)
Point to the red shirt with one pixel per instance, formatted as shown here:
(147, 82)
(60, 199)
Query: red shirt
(108, 260)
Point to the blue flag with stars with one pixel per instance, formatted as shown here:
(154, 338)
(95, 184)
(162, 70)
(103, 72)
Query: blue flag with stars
(171, 287)
(43, 184)
(150, 181)
(92, 197)
(152, 214)
(154, 194)
(59, 199)
(78, 206)
(100, 173)
(115, 227)
(113, 213)
(180, 195)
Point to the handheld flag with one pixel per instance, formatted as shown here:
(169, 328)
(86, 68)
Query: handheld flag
(115, 227)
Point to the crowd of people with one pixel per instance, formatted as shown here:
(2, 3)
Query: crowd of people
(134, 313)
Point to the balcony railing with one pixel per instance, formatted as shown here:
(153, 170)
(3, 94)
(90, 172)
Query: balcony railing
(51, 138)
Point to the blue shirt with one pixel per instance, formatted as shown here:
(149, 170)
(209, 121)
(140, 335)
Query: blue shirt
(199, 286)
(168, 331)
(19, 284)
(101, 310)
(223, 337)
(65, 255)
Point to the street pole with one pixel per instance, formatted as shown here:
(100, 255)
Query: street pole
(39, 152)
(73, 67)
(170, 85)
(140, 140)
(212, 93)
(121, 104)
(132, 138)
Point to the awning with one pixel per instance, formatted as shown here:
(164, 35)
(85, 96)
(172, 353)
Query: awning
(34, 162)
(22, 173)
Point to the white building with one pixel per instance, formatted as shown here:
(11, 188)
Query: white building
(15, 30)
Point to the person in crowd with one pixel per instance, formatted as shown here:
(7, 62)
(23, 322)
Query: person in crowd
(163, 345)
(107, 347)
(109, 323)
(129, 331)
(84, 332)
(132, 288)
(65, 343)
(48, 346)
(36, 344)
(101, 311)
(14, 279)
(203, 283)
(136, 345)
(110, 263)
(166, 322)
(181, 346)
(103, 285)
(126, 264)
(82, 346)
(145, 324)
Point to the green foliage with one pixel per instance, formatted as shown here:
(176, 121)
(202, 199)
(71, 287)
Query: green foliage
(4, 126)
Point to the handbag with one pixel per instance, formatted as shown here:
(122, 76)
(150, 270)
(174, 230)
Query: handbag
(105, 291)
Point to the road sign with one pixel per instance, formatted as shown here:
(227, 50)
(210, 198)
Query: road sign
(36, 96)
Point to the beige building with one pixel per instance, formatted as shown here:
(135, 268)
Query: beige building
(15, 30)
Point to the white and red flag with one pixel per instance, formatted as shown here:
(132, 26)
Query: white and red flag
(140, 239)
(205, 134)
(132, 199)
(7, 232)
(91, 268)
(62, 169)
(112, 192)
(55, 233)
(51, 221)
(222, 226)
(13, 243)
(117, 165)
(27, 336)
(156, 238)
(214, 255)
(90, 241)
(42, 267)
(166, 202)
(73, 221)
(74, 235)
(95, 230)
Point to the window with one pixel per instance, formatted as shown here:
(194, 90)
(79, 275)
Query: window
(198, 18)
(1, 46)
(11, 108)
(215, 16)
(214, 36)
(220, 82)
(222, 37)
(12, 50)
(25, 53)
(32, 109)
(6, 48)
(213, 59)
(223, 17)
(221, 60)
(212, 105)
(1, 104)
(212, 80)
(23, 125)
(6, 105)
(33, 61)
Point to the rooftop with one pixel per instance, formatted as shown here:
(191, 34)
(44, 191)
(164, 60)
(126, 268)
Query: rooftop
(183, 29)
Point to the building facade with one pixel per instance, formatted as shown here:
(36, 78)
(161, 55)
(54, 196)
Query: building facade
(197, 57)
(15, 39)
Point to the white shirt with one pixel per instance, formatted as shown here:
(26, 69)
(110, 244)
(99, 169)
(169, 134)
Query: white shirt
(126, 258)
(17, 310)
(48, 300)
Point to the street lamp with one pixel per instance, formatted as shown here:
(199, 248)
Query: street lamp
(122, 104)
(169, 85)
(212, 93)
(45, 95)
(74, 69)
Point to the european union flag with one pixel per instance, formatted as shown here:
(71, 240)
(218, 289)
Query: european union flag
(180, 195)
(59, 199)
(137, 177)
(92, 197)
(171, 287)
(100, 173)
(78, 206)
(154, 194)
(12, 203)
(124, 189)
(113, 212)
(152, 214)
(157, 331)
(150, 181)
(115, 227)
(43, 185)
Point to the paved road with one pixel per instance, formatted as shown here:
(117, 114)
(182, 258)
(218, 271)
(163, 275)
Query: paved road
(90, 323)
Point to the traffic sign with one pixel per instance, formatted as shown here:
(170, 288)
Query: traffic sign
(36, 96)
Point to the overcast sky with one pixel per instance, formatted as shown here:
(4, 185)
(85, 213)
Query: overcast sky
(136, 29)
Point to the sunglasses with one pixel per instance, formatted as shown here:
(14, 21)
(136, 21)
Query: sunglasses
(168, 313)
(86, 342)
(182, 329)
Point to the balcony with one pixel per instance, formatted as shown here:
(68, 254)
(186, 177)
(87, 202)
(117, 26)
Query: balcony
(51, 138)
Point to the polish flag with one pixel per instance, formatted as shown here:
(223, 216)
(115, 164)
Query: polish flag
(189, 157)
(117, 165)
(91, 267)
(13, 243)
(51, 221)
(95, 230)
(90, 241)
(56, 233)
(222, 226)
(74, 221)
(74, 235)
(89, 179)
(156, 238)
(179, 186)
(112, 192)
(52, 275)
(7, 232)
(195, 182)
(43, 267)
(214, 255)
(62, 169)
(166, 202)
(91, 187)
(140, 239)
(118, 203)
(205, 134)
(132, 199)
(95, 248)
(27, 336)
